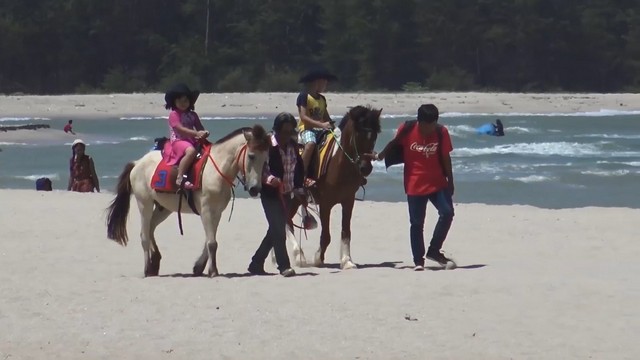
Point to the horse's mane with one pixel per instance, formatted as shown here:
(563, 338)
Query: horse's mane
(233, 134)
(356, 112)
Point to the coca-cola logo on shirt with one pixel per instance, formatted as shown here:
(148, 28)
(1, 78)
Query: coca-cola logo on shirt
(427, 150)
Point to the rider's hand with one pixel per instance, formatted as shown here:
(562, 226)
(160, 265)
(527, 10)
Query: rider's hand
(202, 134)
(327, 126)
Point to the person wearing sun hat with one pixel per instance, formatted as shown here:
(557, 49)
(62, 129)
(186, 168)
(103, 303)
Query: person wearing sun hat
(185, 130)
(82, 171)
(312, 108)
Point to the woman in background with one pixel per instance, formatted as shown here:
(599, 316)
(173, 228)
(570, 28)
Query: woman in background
(82, 177)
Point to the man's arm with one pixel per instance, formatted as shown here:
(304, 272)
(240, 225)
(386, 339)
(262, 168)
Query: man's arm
(96, 182)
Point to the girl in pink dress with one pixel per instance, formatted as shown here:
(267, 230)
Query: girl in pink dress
(185, 130)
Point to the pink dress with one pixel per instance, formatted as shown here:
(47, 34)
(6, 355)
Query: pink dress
(175, 148)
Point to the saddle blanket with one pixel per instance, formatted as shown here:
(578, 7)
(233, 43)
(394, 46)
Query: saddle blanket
(164, 177)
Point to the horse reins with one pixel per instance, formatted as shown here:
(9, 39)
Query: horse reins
(354, 162)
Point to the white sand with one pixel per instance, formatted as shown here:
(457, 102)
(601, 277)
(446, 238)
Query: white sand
(268, 104)
(533, 284)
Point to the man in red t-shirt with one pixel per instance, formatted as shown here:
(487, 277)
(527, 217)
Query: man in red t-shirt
(428, 176)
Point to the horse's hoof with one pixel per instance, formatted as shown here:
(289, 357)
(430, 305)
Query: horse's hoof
(349, 265)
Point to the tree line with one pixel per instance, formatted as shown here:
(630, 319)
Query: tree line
(93, 46)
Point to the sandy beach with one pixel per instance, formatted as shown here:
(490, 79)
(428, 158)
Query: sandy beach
(542, 284)
(268, 104)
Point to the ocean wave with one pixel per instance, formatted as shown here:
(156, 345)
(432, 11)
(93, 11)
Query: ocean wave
(37, 176)
(138, 118)
(23, 119)
(533, 179)
(546, 148)
(2, 143)
(609, 136)
(139, 138)
(607, 173)
(601, 112)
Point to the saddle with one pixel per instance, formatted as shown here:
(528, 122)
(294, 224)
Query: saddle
(324, 151)
(164, 177)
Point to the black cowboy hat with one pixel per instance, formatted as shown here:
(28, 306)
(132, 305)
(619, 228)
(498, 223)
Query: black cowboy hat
(316, 73)
(178, 90)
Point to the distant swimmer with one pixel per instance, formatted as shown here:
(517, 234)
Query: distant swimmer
(69, 128)
(496, 129)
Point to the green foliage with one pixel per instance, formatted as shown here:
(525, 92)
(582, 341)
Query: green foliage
(62, 46)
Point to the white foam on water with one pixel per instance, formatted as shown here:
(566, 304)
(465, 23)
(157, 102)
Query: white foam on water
(138, 118)
(571, 149)
(37, 176)
(139, 138)
(533, 179)
(606, 173)
(12, 143)
(601, 112)
(609, 136)
(23, 119)
(520, 130)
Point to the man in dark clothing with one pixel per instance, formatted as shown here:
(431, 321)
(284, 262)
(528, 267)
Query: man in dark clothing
(283, 176)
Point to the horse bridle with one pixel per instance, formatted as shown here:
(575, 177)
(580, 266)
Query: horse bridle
(357, 157)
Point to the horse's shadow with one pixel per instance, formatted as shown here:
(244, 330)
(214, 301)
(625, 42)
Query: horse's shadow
(385, 264)
(438, 268)
(230, 275)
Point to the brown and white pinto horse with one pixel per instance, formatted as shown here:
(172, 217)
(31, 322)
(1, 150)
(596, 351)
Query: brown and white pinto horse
(345, 173)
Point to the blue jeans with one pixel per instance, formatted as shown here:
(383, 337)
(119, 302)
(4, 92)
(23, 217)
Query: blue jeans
(417, 212)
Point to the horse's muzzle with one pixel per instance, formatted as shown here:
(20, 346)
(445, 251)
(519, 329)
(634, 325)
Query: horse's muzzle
(365, 168)
(254, 191)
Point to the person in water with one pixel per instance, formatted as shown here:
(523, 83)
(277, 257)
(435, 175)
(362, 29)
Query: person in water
(185, 130)
(69, 128)
(82, 171)
(314, 116)
(492, 129)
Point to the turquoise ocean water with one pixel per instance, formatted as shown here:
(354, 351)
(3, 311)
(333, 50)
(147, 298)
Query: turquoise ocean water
(550, 161)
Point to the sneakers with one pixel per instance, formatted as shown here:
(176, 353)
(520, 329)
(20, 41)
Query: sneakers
(288, 272)
(256, 270)
(309, 182)
(438, 257)
(418, 268)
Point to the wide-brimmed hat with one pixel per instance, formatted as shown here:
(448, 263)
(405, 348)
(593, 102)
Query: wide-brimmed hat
(76, 142)
(316, 73)
(177, 91)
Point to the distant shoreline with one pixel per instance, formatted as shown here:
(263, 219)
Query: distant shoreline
(269, 104)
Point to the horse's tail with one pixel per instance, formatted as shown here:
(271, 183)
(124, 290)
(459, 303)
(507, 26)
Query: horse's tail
(119, 208)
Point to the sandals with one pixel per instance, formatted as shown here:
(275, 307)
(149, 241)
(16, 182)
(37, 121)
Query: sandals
(184, 183)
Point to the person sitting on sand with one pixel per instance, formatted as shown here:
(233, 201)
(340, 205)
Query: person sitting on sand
(283, 178)
(82, 177)
(69, 128)
(314, 117)
(185, 130)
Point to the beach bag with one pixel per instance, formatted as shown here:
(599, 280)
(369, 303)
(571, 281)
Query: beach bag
(44, 184)
(395, 154)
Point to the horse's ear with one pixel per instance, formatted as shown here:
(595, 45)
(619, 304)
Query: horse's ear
(248, 135)
(379, 112)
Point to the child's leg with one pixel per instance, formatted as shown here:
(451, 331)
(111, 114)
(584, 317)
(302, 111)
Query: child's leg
(185, 162)
(308, 138)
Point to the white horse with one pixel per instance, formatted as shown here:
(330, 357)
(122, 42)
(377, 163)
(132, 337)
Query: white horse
(244, 150)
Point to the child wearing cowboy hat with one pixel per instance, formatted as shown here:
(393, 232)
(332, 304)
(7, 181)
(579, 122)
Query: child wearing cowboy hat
(185, 130)
(312, 108)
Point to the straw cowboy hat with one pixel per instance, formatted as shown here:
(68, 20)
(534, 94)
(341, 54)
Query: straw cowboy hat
(177, 91)
(316, 73)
